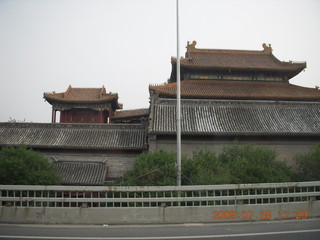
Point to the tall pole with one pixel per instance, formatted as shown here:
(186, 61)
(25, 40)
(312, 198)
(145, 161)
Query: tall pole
(178, 105)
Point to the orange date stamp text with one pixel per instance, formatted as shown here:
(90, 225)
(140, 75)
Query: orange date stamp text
(262, 215)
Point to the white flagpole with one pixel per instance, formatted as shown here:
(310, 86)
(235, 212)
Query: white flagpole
(178, 105)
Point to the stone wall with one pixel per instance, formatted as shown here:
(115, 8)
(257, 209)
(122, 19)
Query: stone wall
(157, 215)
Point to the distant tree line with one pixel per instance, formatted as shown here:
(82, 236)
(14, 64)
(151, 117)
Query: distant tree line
(234, 165)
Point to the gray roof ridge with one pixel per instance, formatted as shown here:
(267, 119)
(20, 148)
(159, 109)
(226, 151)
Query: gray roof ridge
(74, 125)
(171, 101)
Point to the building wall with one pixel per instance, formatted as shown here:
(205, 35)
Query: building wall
(83, 116)
(285, 148)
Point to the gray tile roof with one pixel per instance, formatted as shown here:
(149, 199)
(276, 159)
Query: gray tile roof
(218, 117)
(81, 173)
(123, 114)
(74, 136)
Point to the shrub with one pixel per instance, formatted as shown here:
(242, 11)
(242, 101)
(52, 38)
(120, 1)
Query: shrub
(204, 168)
(23, 166)
(153, 169)
(308, 165)
(235, 164)
(248, 164)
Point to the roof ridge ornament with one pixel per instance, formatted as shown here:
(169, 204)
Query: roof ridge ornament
(190, 47)
(103, 91)
(267, 49)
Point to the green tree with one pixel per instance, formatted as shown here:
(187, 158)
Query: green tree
(153, 169)
(204, 168)
(23, 166)
(249, 164)
(308, 165)
(235, 164)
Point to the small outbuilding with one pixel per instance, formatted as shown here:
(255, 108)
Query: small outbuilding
(83, 105)
(89, 153)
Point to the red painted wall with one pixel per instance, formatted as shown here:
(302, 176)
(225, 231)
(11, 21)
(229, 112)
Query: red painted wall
(82, 116)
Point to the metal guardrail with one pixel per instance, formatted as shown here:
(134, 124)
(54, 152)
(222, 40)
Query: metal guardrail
(166, 196)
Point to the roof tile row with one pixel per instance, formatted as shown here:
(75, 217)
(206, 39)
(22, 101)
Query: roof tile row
(236, 59)
(75, 95)
(131, 113)
(81, 173)
(210, 89)
(236, 118)
(74, 136)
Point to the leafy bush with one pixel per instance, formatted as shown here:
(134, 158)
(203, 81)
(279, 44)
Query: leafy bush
(235, 164)
(204, 168)
(153, 168)
(308, 165)
(248, 164)
(23, 166)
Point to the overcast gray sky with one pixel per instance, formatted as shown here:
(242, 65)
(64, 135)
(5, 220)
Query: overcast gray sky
(45, 45)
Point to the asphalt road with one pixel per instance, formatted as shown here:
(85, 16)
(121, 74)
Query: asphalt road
(307, 229)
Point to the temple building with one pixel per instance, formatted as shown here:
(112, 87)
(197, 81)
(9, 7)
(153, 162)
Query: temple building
(235, 96)
(227, 97)
(234, 65)
(83, 105)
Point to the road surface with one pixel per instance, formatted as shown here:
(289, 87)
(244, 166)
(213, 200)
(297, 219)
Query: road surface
(307, 229)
